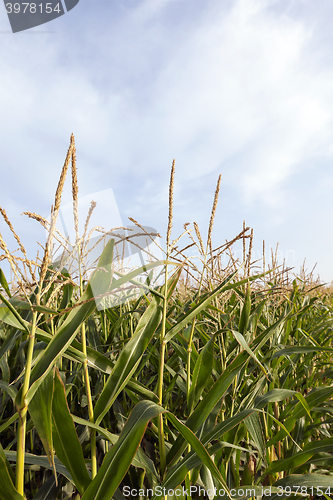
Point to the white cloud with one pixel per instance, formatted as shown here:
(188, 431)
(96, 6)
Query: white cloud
(239, 81)
(243, 88)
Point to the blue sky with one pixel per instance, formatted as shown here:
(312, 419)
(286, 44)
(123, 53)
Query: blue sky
(242, 88)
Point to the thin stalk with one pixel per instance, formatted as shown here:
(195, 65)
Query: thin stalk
(22, 422)
(161, 439)
(83, 327)
(160, 376)
(88, 389)
(234, 387)
(277, 416)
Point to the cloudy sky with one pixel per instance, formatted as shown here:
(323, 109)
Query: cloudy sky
(242, 88)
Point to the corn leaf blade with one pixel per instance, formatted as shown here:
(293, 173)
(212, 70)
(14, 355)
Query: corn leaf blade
(65, 440)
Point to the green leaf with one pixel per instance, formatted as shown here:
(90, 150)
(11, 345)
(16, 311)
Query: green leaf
(49, 490)
(129, 358)
(283, 427)
(199, 448)
(208, 402)
(65, 440)
(172, 282)
(40, 409)
(8, 317)
(287, 463)
(40, 461)
(27, 306)
(253, 424)
(203, 303)
(7, 488)
(3, 283)
(9, 469)
(140, 459)
(225, 426)
(219, 389)
(241, 340)
(11, 316)
(201, 374)
(9, 422)
(303, 402)
(207, 479)
(272, 396)
(113, 438)
(310, 449)
(9, 341)
(120, 456)
(103, 302)
(315, 398)
(69, 328)
(244, 319)
(178, 472)
(67, 292)
(95, 358)
(300, 350)
(9, 389)
(141, 390)
(73, 353)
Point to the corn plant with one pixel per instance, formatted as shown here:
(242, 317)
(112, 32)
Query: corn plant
(217, 383)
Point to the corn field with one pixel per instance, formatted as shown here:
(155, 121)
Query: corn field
(215, 384)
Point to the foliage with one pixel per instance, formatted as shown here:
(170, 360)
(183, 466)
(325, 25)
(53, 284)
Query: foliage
(246, 385)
